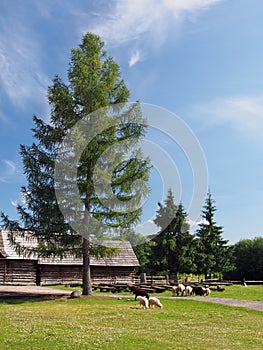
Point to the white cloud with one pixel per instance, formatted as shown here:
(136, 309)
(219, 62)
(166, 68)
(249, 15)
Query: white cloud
(193, 223)
(147, 228)
(146, 23)
(243, 113)
(8, 170)
(135, 58)
(11, 167)
(14, 203)
(141, 24)
(129, 20)
(22, 78)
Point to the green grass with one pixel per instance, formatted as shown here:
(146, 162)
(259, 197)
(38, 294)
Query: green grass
(241, 292)
(109, 323)
(235, 291)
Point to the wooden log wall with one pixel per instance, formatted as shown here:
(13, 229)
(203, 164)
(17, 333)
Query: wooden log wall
(112, 274)
(60, 274)
(18, 272)
(28, 272)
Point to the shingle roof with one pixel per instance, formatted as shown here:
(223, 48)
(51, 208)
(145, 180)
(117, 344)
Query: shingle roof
(124, 257)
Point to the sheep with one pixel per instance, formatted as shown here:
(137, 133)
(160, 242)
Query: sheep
(153, 301)
(179, 289)
(139, 292)
(199, 290)
(207, 291)
(188, 290)
(143, 302)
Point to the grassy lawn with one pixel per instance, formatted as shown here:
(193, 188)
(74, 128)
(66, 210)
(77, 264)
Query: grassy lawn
(235, 291)
(241, 292)
(110, 323)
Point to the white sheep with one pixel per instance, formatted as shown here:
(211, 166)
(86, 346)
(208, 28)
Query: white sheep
(174, 290)
(143, 302)
(179, 289)
(207, 291)
(188, 290)
(153, 301)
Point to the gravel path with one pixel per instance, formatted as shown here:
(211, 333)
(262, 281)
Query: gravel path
(250, 304)
(36, 291)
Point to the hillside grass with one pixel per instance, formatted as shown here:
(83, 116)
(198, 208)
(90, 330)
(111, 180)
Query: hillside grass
(100, 322)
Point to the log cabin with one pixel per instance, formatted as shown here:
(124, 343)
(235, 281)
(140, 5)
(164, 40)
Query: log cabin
(17, 269)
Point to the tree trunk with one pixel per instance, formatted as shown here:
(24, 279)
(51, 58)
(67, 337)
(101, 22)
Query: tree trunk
(86, 275)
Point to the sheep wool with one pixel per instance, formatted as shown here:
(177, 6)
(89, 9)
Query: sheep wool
(143, 302)
(153, 301)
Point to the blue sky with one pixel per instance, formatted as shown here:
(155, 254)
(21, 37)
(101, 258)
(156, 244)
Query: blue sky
(199, 59)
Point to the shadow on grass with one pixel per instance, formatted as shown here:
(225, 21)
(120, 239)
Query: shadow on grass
(20, 297)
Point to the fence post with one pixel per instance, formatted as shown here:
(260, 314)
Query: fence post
(143, 278)
(167, 279)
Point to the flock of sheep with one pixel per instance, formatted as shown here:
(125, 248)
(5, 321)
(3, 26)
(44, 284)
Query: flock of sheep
(189, 290)
(150, 302)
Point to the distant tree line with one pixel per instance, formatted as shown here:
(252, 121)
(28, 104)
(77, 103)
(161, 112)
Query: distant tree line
(176, 251)
(247, 256)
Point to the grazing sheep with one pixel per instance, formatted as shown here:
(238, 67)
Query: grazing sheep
(179, 289)
(198, 290)
(143, 302)
(207, 291)
(188, 290)
(139, 292)
(174, 290)
(153, 301)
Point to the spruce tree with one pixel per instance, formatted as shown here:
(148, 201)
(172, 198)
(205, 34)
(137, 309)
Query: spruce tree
(173, 250)
(94, 83)
(166, 212)
(213, 254)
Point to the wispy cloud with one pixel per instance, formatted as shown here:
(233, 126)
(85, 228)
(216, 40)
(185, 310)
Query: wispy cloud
(8, 170)
(243, 113)
(145, 23)
(14, 203)
(22, 77)
(147, 228)
(135, 58)
(194, 223)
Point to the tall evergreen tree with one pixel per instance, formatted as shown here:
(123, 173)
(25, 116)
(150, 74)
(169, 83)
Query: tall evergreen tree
(173, 249)
(94, 82)
(166, 212)
(213, 253)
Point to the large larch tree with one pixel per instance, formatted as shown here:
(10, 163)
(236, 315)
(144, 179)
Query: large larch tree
(94, 84)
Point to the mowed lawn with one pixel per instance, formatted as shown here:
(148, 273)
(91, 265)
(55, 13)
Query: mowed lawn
(101, 322)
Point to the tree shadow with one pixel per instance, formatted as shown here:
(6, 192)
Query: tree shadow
(24, 297)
